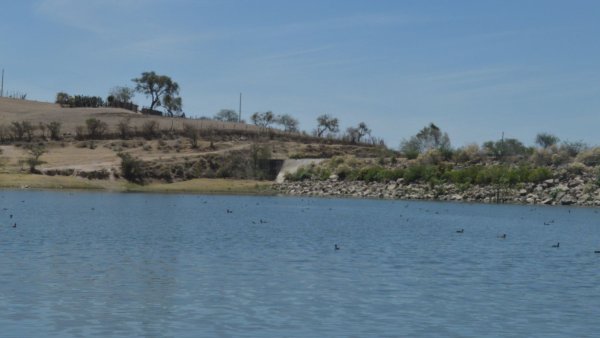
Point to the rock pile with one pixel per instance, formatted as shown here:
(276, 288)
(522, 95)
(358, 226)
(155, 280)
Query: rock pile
(582, 190)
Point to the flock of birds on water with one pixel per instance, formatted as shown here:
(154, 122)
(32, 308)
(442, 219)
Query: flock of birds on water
(336, 247)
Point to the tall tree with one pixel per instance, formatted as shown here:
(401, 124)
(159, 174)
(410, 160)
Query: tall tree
(173, 106)
(356, 134)
(158, 88)
(327, 123)
(263, 119)
(430, 137)
(288, 123)
(546, 140)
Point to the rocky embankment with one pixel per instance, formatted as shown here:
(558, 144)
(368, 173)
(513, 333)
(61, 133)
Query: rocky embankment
(582, 190)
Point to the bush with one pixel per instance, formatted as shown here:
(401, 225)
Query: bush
(96, 128)
(590, 157)
(468, 154)
(150, 129)
(54, 129)
(132, 169)
(124, 128)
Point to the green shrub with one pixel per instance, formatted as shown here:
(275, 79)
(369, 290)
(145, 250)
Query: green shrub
(132, 169)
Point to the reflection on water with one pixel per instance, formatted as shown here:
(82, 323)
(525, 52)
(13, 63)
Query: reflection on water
(81, 264)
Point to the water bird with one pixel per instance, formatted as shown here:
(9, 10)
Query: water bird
(15, 225)
(229, 211)
(556, 245)
(10, 215)
(460, 231)
(546, 223)
(597, 251)
(503, 236)
(336, 247)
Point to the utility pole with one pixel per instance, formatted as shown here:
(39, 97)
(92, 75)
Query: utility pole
(502, 146)
(2, 85)
(240, 111)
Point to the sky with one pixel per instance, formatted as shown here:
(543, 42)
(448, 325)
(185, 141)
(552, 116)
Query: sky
(474, 68)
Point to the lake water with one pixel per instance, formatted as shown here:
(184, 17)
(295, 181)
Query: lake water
(125, 265)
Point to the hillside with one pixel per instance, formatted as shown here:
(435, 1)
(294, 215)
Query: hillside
(36, 112)
(179, 149)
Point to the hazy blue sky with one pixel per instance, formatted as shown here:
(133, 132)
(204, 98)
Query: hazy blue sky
(475, 68)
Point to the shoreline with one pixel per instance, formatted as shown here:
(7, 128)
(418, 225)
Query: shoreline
(553, 192)
(197, 186)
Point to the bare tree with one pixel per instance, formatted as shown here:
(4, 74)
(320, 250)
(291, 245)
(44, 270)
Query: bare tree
(327, 123)
(193, 133)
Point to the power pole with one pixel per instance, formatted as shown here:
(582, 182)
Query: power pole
(2, 85)
(240, 111)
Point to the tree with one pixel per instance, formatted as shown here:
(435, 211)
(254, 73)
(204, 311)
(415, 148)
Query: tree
(29, 130)
(288, 123)
(356, 134)
(193, 133)
(411, 148)
(124, 128)
(546, 140)
(5, 133)
(121, 94)
(227, 115)
(150, 129)
(42, 128)
(22, 129)
(573, 148)
(132, 168)
(17, 130)
(506, 147)
(54, 129)
(159, 88)
(429, 138)
(263, 119)
(96, 128)
(35, 152)
(327, 123)
(173, 106)
(63, 98)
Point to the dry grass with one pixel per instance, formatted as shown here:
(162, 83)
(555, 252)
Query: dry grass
(36, 112)
(199, 186)
(21, 181)
(204, 185)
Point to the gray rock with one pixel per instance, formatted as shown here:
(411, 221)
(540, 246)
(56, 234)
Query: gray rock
(568, 200)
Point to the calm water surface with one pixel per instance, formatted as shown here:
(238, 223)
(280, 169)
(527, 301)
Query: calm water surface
(124, 265)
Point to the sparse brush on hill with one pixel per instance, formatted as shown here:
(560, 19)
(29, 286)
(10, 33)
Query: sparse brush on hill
(348, 169)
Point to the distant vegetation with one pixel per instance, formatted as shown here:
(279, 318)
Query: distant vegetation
(427, 156)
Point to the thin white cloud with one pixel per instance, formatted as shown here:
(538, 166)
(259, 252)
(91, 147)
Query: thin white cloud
(97, 16)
